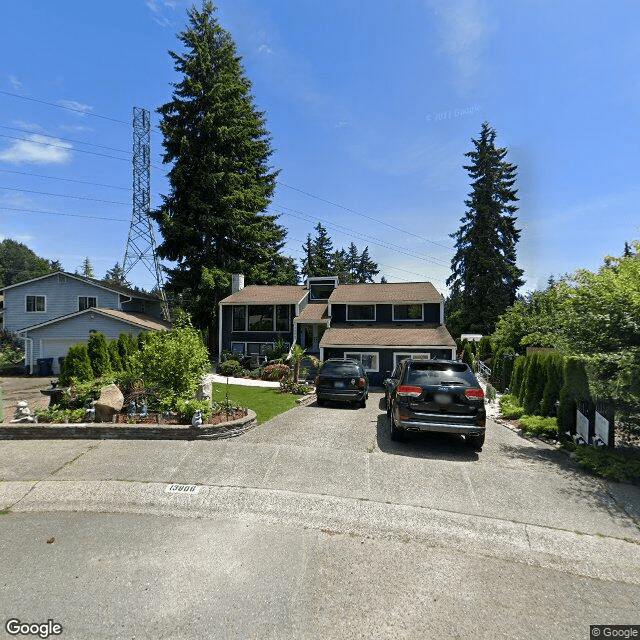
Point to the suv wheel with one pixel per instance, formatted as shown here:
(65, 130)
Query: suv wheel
(475, 442)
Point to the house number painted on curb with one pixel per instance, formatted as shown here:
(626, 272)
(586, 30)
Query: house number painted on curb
(182, 488)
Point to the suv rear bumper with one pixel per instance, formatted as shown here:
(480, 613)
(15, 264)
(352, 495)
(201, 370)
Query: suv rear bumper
(348, 395)
(442, 427)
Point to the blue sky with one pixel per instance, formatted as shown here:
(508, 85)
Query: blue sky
(371, 107)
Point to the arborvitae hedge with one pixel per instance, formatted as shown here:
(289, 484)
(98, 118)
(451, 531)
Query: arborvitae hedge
(554, 365)
(114, 356)
(99, 354)
(517, 376)
(485, 349)
(127, 346)
(574, 390)
(76, 364)
(534, 383)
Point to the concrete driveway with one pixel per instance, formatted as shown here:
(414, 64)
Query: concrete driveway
(316, 525)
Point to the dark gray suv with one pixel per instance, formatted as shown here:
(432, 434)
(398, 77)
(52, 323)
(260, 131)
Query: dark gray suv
(342, 381)
(436, 395)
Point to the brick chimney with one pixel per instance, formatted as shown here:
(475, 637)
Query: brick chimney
(237, 282)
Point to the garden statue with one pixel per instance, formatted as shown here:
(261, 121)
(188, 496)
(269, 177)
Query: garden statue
(23, 413)
(143, 409)
(196, 421)
(132, 408)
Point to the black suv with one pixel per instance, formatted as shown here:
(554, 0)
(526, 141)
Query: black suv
(436, 395)
(342, 381)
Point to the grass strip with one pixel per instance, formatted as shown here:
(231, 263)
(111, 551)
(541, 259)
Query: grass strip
(267, 402)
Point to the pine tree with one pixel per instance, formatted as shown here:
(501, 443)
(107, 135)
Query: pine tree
(116, 276)
(87, 268)
(318, 254)
(213, 222)
(485, 277)
(367, 268)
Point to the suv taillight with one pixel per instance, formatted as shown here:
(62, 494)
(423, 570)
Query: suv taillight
(474, 393)
(406, 390)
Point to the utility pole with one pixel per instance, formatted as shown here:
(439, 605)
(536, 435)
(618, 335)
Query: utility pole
(141, 243)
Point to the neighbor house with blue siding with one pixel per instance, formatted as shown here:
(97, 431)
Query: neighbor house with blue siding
(56, 311)
(377, 324)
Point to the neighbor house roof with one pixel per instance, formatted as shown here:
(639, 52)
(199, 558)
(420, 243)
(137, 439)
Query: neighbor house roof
(140, 320)
(390, 292)
(267, 294)
(387, 336)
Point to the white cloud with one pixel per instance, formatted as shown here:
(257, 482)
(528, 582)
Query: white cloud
(74, 105)
(37, 149)
(15, 83)
(265, 48)
(465, 29)
(159, 9)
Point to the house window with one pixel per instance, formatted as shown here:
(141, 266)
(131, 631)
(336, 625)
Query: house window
(408, 312)
(240, 318)
(36, 304)
(87, 302)
(361, 312)
(416, 356)
(283, 317)
(237, 348)
(260, 317)
(368, 360)
(258, 348)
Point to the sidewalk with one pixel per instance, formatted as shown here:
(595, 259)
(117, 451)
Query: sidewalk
(246, 382)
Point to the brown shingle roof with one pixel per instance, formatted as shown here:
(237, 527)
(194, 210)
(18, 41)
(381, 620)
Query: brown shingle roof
(399, 292)
(314, 312)
(387, 336)
(267, 294)
(139, 319)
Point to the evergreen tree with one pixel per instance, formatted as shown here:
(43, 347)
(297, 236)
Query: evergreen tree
(213, 222)
(485, 278)
(367, 268)
(19, 263)
(87, 268)
(318, 254)
(115, 275)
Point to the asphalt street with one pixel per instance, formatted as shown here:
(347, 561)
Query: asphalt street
(315, 525)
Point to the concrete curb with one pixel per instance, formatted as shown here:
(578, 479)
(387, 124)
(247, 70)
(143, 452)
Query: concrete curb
(102, 431)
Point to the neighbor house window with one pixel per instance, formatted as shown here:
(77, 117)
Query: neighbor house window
(397, 357)
(361, 312)
(368, 360)
(407, 312)
(86, 302)
(240, 318)
(36, 303)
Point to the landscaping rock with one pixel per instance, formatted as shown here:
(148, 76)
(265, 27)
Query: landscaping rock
(108, 404)
(205, 390)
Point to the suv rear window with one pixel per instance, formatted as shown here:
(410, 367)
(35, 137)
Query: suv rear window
(427, 371)
(341, 369)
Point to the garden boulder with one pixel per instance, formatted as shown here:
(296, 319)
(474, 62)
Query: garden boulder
(108, 404)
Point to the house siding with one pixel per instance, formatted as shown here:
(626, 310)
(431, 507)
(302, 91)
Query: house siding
(61, 293)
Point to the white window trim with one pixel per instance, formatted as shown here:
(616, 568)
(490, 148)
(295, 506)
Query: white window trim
(399, 355)
(233, 308)
(244, 344)
(274, 318)
(94, 306)
(35, 295)
(408, 304)
(349, 354)
(375, 312)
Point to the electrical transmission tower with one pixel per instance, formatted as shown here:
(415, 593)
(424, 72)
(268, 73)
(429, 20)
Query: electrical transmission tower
(141, 244)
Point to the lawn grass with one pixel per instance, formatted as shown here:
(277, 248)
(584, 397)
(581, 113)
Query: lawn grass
(267, 402)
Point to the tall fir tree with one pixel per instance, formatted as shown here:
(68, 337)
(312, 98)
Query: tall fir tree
(213, 222)
(485, 277)
(318, 254)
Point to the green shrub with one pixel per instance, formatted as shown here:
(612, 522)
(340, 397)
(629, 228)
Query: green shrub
(275, 372)
(127, 348)
(539, 426)
(509, 407)
(484, 348)
(574, 390)
(534, 383)
(229, 368)
(98, 354)
(185, 408)
(114, 356)
(174, 362)
(289, 385)
(255, 374)
(554, 374)
(622, 466)
(517, 375)
(76, 364)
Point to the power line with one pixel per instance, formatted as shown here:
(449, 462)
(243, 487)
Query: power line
(386, 224)
(63, 195)
(62, 146)
(57, 137)
(92, 184)
(84, 112)
(57, 213)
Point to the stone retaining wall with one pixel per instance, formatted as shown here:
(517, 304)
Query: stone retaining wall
(103, 430)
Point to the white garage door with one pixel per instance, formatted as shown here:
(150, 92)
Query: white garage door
(56, 348)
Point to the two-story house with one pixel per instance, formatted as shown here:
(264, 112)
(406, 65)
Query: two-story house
(56, 311)
(376, 324)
